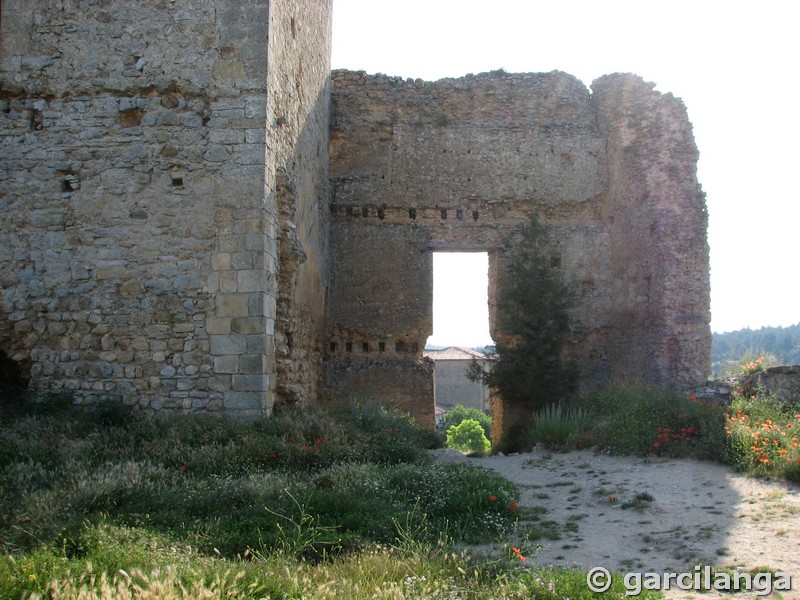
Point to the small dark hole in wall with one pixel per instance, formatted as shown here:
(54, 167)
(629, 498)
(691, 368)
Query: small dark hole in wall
(555, 261)
(365, 346)
(70, 183)
(444, 213)
(348, 347)
(177, 181)
(332, 347)
(381, 213)
(412, 213)
(400, 346)
(37, 120)
(475, 215)
(14, 377)
(381, 346)
(459, 214)
(415, 347)
(365, 211)
(334, 209)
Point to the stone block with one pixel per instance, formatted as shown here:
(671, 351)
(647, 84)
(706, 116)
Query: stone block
(226, 364)
(257, 344)
(239, 400)
(250, 383)
(218, 326)
(252, 363)
(254, 280)
(216, 153)
(231, 305)
(228, 344)
(221, 261)
(227, 281)
(241, 260)
(248, 325)
(219, 383)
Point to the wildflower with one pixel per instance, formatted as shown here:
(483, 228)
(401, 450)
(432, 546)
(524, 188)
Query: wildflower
(492, 498)
(183, 467)
(518, 552)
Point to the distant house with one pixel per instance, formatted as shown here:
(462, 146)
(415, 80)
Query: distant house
(452, 386)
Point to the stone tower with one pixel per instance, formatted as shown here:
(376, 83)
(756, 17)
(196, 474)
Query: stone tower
(163, 181)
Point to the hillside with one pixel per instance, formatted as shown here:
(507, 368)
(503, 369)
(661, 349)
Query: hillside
(783, 343)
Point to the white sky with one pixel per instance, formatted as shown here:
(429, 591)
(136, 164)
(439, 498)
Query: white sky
(735, 65)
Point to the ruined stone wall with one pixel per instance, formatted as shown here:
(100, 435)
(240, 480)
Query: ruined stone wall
(298, 128)
(657, 220)
(139, 172)
(460, 164)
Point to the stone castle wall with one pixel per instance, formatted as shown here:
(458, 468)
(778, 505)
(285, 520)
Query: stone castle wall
(460, 164)
(144, 150)
(175, 233)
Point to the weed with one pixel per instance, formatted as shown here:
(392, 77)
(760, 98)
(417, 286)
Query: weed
(639, 502)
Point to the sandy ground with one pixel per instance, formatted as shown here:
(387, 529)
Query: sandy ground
(688, 512)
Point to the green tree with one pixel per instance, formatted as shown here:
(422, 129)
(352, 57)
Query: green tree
(460, 413)
(534, 303)
(468, 436)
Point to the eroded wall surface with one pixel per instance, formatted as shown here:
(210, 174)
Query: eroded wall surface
(460, 164)
(144, 150)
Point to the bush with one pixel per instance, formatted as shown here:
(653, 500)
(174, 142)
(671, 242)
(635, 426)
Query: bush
(460, 413)
(468, 436)
(557, 426)
(633, 418)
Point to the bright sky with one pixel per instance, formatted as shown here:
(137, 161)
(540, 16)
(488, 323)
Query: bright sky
(734, 64)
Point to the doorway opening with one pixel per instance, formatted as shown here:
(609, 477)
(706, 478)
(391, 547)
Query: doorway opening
(460, 300)
(460, 329)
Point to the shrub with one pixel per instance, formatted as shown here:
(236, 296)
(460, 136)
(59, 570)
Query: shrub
(557, 426)
(633, 418)
(468, 436)
(460, 413)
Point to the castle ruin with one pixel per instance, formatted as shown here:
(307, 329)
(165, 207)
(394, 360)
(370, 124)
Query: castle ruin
(199, 215)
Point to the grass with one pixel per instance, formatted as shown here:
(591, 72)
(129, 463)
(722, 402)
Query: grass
(556, 424)
(757, 433)
(315, 505)
(307, 504)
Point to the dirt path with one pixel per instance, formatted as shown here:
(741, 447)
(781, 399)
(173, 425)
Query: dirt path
(628, 514)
